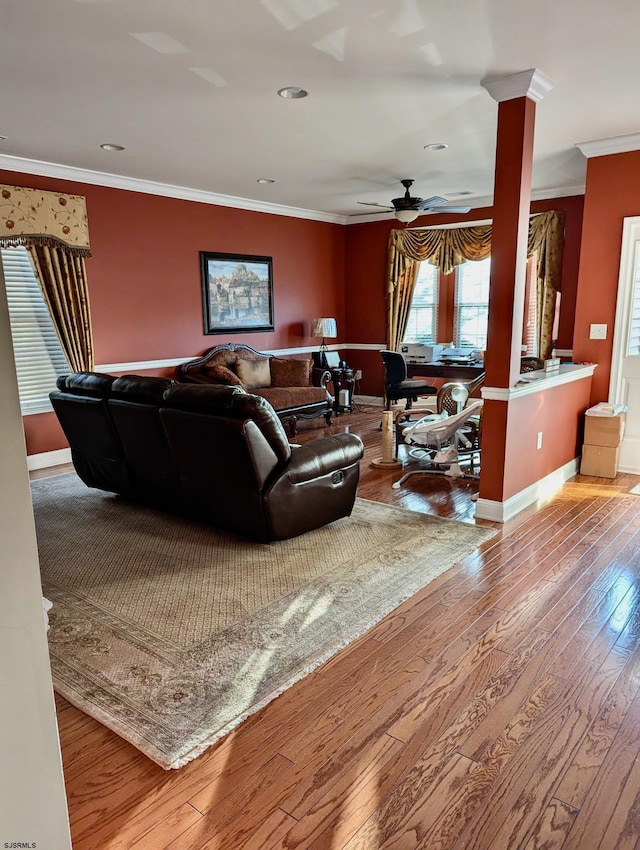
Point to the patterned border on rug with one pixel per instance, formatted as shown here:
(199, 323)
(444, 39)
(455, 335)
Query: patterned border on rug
(171, 633)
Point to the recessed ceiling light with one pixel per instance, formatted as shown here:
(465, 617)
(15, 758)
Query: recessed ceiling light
(465, 192)
(109, 146)
(3, 138)
(265, 180)
(292, 92)
(436, 146)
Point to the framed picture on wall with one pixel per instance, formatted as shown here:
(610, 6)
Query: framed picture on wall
(237, 292)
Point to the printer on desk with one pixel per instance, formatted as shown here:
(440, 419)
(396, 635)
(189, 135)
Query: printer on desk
(418, 352)
(462, 356)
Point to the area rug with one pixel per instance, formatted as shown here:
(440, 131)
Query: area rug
(171, 632)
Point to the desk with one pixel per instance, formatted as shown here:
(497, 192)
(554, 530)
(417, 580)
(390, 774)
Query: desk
(445, 370)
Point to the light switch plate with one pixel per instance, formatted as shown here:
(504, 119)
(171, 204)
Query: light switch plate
(597, 332)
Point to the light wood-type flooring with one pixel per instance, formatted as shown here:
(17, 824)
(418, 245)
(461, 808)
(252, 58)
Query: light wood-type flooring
(498, 708)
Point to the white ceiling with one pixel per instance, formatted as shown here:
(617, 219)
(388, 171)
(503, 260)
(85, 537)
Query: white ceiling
(385, 78)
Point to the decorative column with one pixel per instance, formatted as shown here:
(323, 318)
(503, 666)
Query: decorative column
(517, 96)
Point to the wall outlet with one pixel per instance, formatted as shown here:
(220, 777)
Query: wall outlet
(539, 440)
(358, 374)
(597, 331)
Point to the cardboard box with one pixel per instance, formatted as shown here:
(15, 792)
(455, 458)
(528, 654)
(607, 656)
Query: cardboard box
(604, 430)
(601, 461)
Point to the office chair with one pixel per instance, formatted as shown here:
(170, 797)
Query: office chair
(441, 443)
(396, 383)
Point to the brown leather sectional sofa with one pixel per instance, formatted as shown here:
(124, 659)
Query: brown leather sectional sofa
(214, 453)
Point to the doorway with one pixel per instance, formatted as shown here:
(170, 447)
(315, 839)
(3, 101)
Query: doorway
(624, 387)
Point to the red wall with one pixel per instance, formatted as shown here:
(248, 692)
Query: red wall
(612, 193)
(556, 412)
(144, 277)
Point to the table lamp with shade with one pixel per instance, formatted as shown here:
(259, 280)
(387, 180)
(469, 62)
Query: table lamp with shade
(325, 328)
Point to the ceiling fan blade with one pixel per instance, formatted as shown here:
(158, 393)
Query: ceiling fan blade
(435, 201)
(373, 212)
(373, 204)
(449, 210)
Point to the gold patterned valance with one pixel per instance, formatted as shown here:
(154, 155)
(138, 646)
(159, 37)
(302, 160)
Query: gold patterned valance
(32, 216)
(448, 248)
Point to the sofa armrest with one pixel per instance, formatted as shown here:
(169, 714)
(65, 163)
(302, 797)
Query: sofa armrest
(323, 456)
(320, 377)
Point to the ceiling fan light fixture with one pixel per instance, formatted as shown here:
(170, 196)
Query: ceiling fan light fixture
(407, 216)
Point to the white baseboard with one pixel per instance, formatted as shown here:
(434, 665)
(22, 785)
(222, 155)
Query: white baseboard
(542, 489)
(44, 459)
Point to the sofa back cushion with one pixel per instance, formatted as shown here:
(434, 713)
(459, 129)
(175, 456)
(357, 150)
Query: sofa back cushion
(138, 388)
(227, 445)
(135, 410)
(290, 373)
(254, 373)
(80, 404)
(94, 384)
(232, 403)
(223, 464)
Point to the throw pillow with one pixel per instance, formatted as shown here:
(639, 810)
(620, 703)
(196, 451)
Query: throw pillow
(290, 373)
(254, 374)
(221, 375)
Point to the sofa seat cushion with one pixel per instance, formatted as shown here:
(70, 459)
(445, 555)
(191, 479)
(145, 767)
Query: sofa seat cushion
(284, 398)
(290, 373)
(254, 374)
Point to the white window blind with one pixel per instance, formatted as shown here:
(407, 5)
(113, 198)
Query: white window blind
(634, 330)
(472, 303)
(422, 321)
(38, 355)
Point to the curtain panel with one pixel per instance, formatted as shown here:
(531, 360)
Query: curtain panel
(448, 248)
(55, 230)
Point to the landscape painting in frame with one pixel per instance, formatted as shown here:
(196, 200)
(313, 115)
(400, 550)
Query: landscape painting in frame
(238, 292)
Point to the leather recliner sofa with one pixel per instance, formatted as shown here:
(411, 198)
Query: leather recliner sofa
(216, 454)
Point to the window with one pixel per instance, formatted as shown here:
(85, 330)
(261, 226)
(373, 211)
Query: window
(38, 355)
(423, 314)
(633, 349)
(472, 304)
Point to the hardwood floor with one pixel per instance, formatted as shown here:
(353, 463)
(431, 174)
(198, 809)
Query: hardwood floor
(498, 708)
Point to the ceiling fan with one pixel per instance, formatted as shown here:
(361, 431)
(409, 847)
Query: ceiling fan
(407, 209)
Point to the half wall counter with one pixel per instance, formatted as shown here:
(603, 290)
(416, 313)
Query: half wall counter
(542, 418)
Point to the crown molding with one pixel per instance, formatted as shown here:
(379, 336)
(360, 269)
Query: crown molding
(532, 84)
(166, 190)
(616, 144)
(117, 181)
